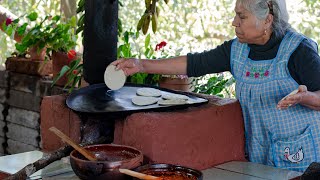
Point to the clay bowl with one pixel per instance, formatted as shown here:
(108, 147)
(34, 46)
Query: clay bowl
(170, 172)
(110, 158)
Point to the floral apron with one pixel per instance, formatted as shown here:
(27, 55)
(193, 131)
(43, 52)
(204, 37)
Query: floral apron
(290, 138)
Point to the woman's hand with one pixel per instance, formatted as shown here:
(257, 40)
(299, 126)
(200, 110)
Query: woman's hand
(293, 99)
(129, 65)
(303, 97)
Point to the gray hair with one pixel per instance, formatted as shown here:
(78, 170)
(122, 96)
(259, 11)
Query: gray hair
(261, 9)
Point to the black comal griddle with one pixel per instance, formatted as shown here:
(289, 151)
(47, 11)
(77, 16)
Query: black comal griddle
(99, 99)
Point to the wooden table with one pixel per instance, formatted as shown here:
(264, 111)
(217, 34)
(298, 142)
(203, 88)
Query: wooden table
(227, 171)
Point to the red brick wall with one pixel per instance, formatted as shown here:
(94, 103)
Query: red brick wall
(54, 112)
(199, 137)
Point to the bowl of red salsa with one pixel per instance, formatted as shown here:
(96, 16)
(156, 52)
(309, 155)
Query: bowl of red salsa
(170, 172)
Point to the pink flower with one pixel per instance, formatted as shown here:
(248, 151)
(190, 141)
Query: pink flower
(247, 74)
(160, 45)
(266, 73)
(72, 54)
(256, 75)
(8, 21)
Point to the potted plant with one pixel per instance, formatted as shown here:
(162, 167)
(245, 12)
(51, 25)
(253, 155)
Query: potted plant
(29, 47)
(125, 51)
(44, 39)
(49, 34)
(161, 50)
(61, 43)
(175, 82)
(72, 71)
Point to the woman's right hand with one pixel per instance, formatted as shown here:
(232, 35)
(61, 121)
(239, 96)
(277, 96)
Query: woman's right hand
(129, 65)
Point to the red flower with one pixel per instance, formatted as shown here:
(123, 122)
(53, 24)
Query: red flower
(160, 45)
(163, 43)
(256, 75)
(75, 72)
(248, 74)
(8, 21)
(72, 54)
(266, 73)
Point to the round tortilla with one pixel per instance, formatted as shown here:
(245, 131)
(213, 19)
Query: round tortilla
(292, 93)
(143, 100)
(149, 92)
(168, 102)
(114, 79)
(175, 96)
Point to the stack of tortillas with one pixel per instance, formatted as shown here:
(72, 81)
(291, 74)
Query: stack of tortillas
(146, 96)
(149, 96)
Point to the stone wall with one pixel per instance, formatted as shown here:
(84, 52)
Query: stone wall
(20, 101)
(3, 109)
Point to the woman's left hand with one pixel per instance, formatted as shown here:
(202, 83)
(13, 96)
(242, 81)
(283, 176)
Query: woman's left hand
(293, 99)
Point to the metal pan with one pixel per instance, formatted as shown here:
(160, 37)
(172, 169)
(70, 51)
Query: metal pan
(99, 99)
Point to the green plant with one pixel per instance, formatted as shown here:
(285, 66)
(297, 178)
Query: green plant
(125, 50)
(50, 33)
(73, 71)
(81, 12)
(216, 84)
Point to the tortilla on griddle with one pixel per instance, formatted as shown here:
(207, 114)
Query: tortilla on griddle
(175, 96)
(168, 102)
(149, 92)
(143, 100)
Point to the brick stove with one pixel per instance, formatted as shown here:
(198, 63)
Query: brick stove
(198, 137)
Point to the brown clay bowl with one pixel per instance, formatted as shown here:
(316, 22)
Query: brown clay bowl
(110, 157)
(170, 172)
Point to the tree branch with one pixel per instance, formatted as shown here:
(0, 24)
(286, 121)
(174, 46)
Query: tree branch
(46, 160)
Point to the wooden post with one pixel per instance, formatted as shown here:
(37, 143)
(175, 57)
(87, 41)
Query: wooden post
(100, 38)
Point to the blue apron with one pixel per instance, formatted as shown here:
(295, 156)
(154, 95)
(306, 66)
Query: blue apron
(288, 139)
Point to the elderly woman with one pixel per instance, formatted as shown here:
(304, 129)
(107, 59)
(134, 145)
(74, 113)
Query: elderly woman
(269, 60)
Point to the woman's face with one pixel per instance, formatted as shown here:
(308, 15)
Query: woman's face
(247, 27)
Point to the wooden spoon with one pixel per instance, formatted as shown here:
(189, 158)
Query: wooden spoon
(87, 154)
(137, 174)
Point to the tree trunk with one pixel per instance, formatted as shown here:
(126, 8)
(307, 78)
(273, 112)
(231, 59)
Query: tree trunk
(68, 8)
(100, 38)
(41, 163)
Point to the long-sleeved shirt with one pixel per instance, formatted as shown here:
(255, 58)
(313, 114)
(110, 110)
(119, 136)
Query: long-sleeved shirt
(303, 65)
